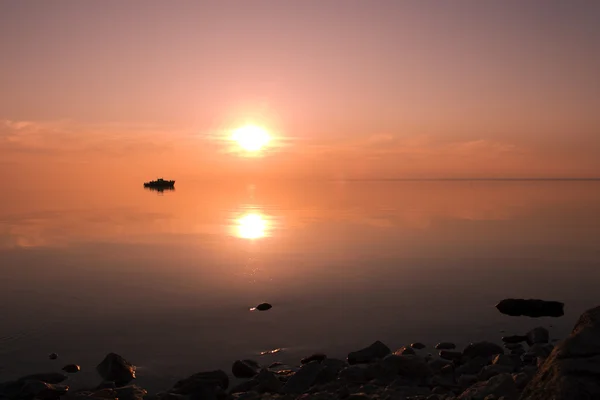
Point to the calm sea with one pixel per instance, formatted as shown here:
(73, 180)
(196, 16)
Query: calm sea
(167, 279)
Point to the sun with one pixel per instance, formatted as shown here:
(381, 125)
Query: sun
(251, 226)
(251, 138)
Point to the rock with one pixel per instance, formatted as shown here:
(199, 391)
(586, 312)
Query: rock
(131, 392)
(482, 349)
(447, 369)
(315, 357)
(42, 390)
(451, 355)
(407, 366)
(50, 377)
(466, 380)
(445, 346)
(53, 356)
(405, 351)
(513, 346)
(331, 369)
(353, 374)
(572, 370)
(499, 385)
(514, 339)
(437, 365)
(521, 380)
(276, 364)
(202, 382)
(116, 368)
(245, 368)
(245, 386)
(71, 368)
(374, 352)
(540, 350)
(495, 369)
(263, 307)
(503, 359)
(302, 380)
(473, 366)
(418, 346)
(531, 308)
(268, 382)
(538, 335)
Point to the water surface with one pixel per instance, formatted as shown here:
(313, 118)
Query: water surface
(167, 279)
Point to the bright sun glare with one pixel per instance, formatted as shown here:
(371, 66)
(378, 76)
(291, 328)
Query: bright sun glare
(251, 226)
(251, 138)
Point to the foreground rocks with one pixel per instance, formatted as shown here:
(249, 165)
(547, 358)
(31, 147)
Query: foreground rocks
(480, 371)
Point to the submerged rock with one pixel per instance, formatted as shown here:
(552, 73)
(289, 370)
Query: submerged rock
(531, 308)
(374, 352)
(71, 368)
(245, 368)
(116, 368)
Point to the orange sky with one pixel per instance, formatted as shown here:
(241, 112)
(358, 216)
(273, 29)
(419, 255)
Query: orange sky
(349, 89)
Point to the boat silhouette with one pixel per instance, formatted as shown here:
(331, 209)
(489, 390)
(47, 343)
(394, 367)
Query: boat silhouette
(160, 183)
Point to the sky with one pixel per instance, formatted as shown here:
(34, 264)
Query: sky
(347, 89)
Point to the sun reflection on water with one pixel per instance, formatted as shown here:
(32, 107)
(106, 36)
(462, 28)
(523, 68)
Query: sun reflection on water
(252, 225)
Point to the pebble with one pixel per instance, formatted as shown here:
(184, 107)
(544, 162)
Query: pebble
(71, 368)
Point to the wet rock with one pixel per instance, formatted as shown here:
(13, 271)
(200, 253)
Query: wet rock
(116, 368)
(540, 350)
(263, 307)
(405, 351)
(521, 380)
(42, 390)
(276, 364)
(499, 385)
(353, 374)
(473, 366)
(202, 382)
(302, 380)
(418, 346)
(445, 346)
(538, 335)
(267, 382)
(447, 369)
(374, 352)
(50, 377)
(331, 369)
(53, 356)
(467, 380)
(246, 386)
(245, 368)
(315, 357)
(495, 369)
(106, 385)
(437, 365)
(131, 392)
(451, 355)
(514, 339)
(573, 368)
(531, 308)
(504, 359)
(513, 346)
(408, 366)
(71, 368)
(482, 349)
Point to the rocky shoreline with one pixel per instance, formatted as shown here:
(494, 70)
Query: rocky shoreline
(526, 367)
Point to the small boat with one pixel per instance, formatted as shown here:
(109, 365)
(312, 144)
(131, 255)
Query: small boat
(160, 183)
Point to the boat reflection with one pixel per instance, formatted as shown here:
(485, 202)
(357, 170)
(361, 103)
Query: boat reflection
(252, 224)
(160, 189)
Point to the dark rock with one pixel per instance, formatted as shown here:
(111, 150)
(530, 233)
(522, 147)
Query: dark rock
(72, 368)
(445, 346)
(437, 365)
(331, 369)
(521, 380)
(513, 346)
(202, 382)
(53, 356)
(131, 392)
(514, 339)
(245, 386)
(42, 390)
(418, 346)
(116, 368)
(540, 350)
(503, 359)
(353, 374)
(495, 369)
(518, 351)
(106, 385)
(572, 370)
(482, 349)
(268, 382)
(499, 385)
(408, 366)
(276, 364)
(50, 377)
(531, 308)
(374, 352)
(302, 380)
(451, 355)
(473, 366)
(263, 307)
(315, 357)
(405, 351)
(538, 335)
(466, 380)
(245, 368)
